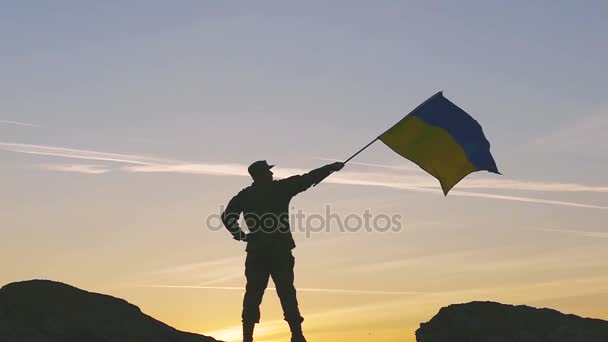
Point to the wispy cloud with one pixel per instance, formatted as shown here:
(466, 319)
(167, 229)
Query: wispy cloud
(575, 232)
(202, 273)
(419, 182)
(418, 177)
(510, 184)
(384, 166)
(419, 187)
(17, 123)
(73, 153)
(320, 290)
(92, 169)
(217, 169)
(197, 266)
(527, 200)
(491, 259)
(387, 305)
(221, 270)
(422, 183)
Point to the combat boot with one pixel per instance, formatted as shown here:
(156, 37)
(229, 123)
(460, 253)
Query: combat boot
(296, 332)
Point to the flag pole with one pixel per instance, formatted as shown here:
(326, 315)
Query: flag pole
(361, 150)
(351, 157)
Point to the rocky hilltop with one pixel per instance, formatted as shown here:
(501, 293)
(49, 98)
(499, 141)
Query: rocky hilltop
(47, 311)
(495, 322)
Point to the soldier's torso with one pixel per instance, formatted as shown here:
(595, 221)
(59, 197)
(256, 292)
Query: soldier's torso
(266, 214)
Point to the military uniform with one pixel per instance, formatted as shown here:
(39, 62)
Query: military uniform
(265, 208)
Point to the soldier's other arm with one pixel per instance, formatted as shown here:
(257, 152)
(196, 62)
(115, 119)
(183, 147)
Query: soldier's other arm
(296, 184)
(230, 217)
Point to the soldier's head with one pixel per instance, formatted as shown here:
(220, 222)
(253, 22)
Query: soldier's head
(260, 171)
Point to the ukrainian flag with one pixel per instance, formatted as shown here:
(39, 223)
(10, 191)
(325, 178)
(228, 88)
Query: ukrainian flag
(443, 140)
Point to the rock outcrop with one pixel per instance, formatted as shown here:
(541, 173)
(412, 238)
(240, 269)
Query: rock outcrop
(495, 322)
(47, 311)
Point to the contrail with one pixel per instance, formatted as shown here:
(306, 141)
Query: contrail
(418, 183)
(575, 232)
(495, 182)
(395, 185)
(17, 123)
(528, 200)
(338, 291)
(79, 154)
(77, 168)
(394, 167)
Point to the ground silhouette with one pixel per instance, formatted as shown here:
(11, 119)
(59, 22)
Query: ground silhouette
(495, 322)
(48, 311)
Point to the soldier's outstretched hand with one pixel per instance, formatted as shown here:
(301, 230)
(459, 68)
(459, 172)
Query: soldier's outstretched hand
(337, 166)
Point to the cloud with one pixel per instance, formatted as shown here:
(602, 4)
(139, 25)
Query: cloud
(230, 268)
(72, 153)
(423, 187)
(387, 305)
(198, 266)
(192, 168)
(77, 168)
(384, 166)
(201, 273)
(17, 123)
(419, 261)
(510, 184)
(419, 182)
(527, 200)
(478, 181)
(319, 290)
(575, 232)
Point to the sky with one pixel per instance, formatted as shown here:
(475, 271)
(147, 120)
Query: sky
(125, 125)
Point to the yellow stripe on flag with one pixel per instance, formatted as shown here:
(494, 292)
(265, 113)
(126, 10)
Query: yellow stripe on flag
(431, 148)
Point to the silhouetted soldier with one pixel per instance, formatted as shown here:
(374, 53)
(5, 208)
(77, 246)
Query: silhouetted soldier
(265, 207)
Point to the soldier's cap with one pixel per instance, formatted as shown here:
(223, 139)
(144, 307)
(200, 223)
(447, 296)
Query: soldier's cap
(258, 167)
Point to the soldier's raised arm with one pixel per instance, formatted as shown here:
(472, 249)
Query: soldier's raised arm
(296, 184)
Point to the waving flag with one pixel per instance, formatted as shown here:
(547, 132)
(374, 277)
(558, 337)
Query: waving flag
(443, 140)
